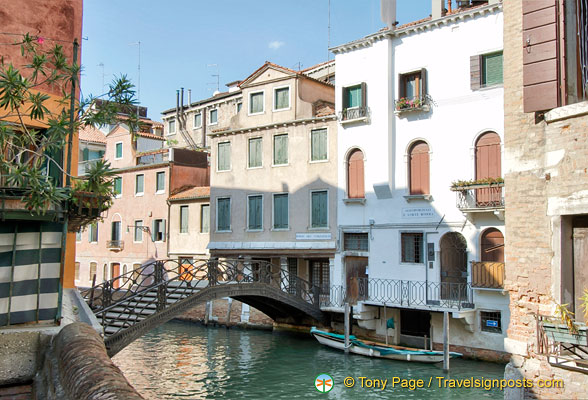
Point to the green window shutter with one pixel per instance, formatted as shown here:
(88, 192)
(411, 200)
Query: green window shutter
(255, 203)
(281, 211)
(282, 98)
(492, 69)
(354, 96)
(224, 214)
(117, 185)
(163, 227)
(197, 120)
(139, 181)
(255, 152)
(160, 181)
(183, 219)
(224, 156)
(205, 218)
(319, 209)
(85, 154)
(154, 230)
(280, 149)
(255, 103)
(318, 145)
(119, 148)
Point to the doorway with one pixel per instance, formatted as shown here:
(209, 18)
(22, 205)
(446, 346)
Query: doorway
(356, 278)
(414, 326)
(579, 264)
(115, 272)
(454, 266)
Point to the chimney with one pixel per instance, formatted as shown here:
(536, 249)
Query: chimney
(388, 13)
(189, 97)
(182, 101)
(177, 102)
(437, 9)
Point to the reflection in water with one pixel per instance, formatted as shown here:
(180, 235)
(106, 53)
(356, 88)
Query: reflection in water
(181, 360)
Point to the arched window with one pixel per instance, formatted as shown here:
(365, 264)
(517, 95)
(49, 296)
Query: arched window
(93, 267)
(418, 171)
(355, 183)
(492, 246)
(488, 156)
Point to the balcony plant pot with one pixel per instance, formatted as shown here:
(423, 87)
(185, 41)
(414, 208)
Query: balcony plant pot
(561, 333)
(85, 208)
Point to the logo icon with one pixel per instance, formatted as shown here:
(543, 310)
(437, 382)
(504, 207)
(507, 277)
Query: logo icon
(323, 383)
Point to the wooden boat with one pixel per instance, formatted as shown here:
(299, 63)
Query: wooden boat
(379, 350)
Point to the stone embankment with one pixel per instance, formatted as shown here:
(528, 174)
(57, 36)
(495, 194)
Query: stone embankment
(76, 367)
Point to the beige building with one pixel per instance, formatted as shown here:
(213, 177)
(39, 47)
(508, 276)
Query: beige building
(135, 229)
(274, 174)
(546, 178)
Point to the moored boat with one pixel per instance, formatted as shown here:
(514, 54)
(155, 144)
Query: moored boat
(379, 350)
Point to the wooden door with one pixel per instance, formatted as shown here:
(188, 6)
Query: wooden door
(454, 266)
(580, 249)
(356, 278)
(115, 272)
(419, 168)
(355, 183)
(488, 165)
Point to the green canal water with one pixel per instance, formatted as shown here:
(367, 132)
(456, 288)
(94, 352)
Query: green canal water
(186, 361)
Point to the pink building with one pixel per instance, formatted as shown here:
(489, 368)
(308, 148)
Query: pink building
(135, 229)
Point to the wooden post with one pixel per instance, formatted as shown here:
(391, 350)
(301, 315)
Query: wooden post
(347, 325)
(445, 341)
(386, 323)
(229, 304)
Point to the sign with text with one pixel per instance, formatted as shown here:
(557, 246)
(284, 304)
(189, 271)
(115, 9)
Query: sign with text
(313, 236)
(418, 212)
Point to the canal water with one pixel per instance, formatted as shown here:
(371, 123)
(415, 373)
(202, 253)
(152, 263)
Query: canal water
(186, 361)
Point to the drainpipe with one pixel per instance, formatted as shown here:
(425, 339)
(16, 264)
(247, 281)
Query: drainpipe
(177, 102)
(203, 111)
(190, 95)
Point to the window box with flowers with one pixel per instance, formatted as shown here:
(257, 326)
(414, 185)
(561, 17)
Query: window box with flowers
(416, 104)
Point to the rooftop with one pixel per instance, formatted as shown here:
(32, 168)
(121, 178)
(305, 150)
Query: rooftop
(195, 192)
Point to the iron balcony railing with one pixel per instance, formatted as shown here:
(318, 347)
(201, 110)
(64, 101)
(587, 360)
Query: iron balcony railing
(487, 274)
(564, 344)
(402, 293)
(349, 114)
(115, 244)
(406, 104)
(480, 197)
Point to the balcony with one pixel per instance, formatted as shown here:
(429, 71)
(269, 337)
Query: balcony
(564, 344)
(402, 293)
(115, 245)
(355, 114)
(487, 275)
(153, 157)
(405, 105)
(476, 197)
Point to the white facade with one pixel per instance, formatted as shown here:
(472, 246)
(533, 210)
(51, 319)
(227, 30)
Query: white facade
(458, 115)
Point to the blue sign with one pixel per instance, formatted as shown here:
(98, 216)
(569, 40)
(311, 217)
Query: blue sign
(492, 323)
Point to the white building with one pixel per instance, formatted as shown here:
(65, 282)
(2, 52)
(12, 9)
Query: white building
(421, 107)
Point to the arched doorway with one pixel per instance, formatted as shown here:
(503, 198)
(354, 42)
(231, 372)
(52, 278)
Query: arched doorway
(454, 266)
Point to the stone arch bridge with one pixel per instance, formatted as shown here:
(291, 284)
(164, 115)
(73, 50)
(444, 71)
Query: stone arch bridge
(130, 305)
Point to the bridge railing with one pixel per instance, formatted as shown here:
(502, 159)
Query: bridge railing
(157, 284)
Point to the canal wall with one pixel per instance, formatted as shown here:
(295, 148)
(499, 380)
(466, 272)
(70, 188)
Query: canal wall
(228, 312)
(77, 367)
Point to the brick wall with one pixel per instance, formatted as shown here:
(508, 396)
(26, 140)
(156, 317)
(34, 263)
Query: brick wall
(219, 315)
(546, 163)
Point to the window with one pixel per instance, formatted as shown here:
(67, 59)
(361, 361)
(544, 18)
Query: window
(354, 99)
(160, 182)
(418, 169)
(118, 151)
(139, 183)
(224, 156)
(488, 165)
(136, 271)
(158, 230)
(115, 232)
(355, 241)
(183, 219)
(239, 107)
(282, 98)
(79, 235)
(205, 218)
(355, 175)
(555, 53)
(197, 120)
(77, 271)
(281, 149)
(93, 234)
(256, 103)
(138, 234)
(118, 186)
(412, 248)
(492, 69)
(254, 213)
(318, 144)
(171, 126)
(223, 214)
(281, 211)
(213, 117)
(319, 209)
(254, 153)
(93, 267)
(490, 321)
(412, 85)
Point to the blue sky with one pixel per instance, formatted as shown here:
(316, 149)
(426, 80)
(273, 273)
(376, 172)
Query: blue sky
(185, 42)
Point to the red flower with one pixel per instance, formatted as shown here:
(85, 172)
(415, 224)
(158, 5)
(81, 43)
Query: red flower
(40, 40)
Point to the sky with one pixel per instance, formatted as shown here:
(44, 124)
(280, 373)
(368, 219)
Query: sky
(185, 43)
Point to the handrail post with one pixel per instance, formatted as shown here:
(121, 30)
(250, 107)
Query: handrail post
(161, 289)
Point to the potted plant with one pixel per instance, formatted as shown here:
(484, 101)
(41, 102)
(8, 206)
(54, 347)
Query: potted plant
(564, 328)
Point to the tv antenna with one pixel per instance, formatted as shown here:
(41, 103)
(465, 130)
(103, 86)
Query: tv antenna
(102, 66)
(217, 75)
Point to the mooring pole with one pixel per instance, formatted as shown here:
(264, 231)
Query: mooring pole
(347, 325)
(445, 341)
(386, 323)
